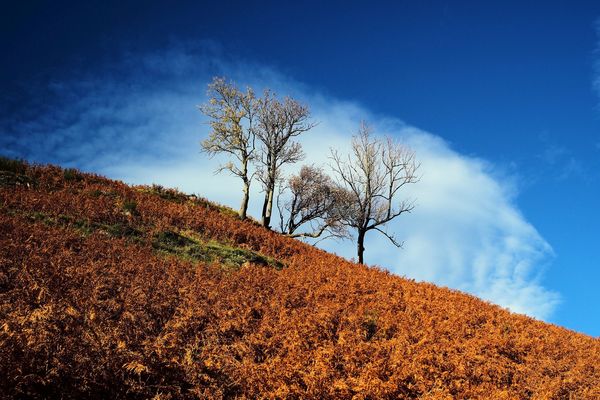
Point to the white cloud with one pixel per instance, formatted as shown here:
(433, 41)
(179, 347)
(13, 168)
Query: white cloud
(139, 123)
(465, 232)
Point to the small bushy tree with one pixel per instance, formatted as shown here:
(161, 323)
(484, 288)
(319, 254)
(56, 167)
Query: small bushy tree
(314, 201)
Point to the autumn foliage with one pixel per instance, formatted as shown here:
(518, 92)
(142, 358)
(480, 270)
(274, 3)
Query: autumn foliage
(91, 308)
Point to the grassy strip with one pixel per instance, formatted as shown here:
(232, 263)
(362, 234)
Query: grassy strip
(188, 246)
(84, 227)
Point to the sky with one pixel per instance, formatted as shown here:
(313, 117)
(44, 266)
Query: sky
(499, 100)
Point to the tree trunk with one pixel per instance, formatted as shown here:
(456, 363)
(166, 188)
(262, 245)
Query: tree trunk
(268, 204)
(246, 189)
(264, 221)
(268, 208)
(245, 199)
(360, 246)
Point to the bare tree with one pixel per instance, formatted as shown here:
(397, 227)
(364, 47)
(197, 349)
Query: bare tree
(373, 173)
(314, 201)
(233, 118)
(279, 122)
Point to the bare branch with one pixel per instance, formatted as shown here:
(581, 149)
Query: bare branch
(232, 114)
(278, 123)
(314, 200)
(390, 237)
(373, 174)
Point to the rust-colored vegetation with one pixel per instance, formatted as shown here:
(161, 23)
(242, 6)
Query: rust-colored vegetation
(111, 291)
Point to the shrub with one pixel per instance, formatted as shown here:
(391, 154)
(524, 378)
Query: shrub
(130, 206)
(12, 165)
(71, 174)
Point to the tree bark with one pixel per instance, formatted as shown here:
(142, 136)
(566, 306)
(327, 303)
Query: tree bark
(245, 199)
(360, 246)
(246, 188)
(268, 208)
(263, 215)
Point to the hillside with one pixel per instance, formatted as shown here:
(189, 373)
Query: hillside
(112, 291)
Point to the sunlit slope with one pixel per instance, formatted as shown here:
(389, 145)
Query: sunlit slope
(113, 291)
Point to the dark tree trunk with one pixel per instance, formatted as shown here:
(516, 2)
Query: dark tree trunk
(267, 208)
(268, 204)
(360, 245)
(264, 221)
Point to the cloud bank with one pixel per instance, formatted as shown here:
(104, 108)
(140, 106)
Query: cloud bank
(136, 120)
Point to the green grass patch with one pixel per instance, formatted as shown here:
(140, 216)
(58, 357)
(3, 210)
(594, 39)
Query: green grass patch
(120, 230)
(172, 241)
(60, 220)
(130, 206)
(38, 217)
(191, 248)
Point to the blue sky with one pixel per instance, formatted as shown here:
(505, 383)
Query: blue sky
(501, 102)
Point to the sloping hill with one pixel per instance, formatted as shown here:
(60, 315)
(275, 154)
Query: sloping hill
(111, 291)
